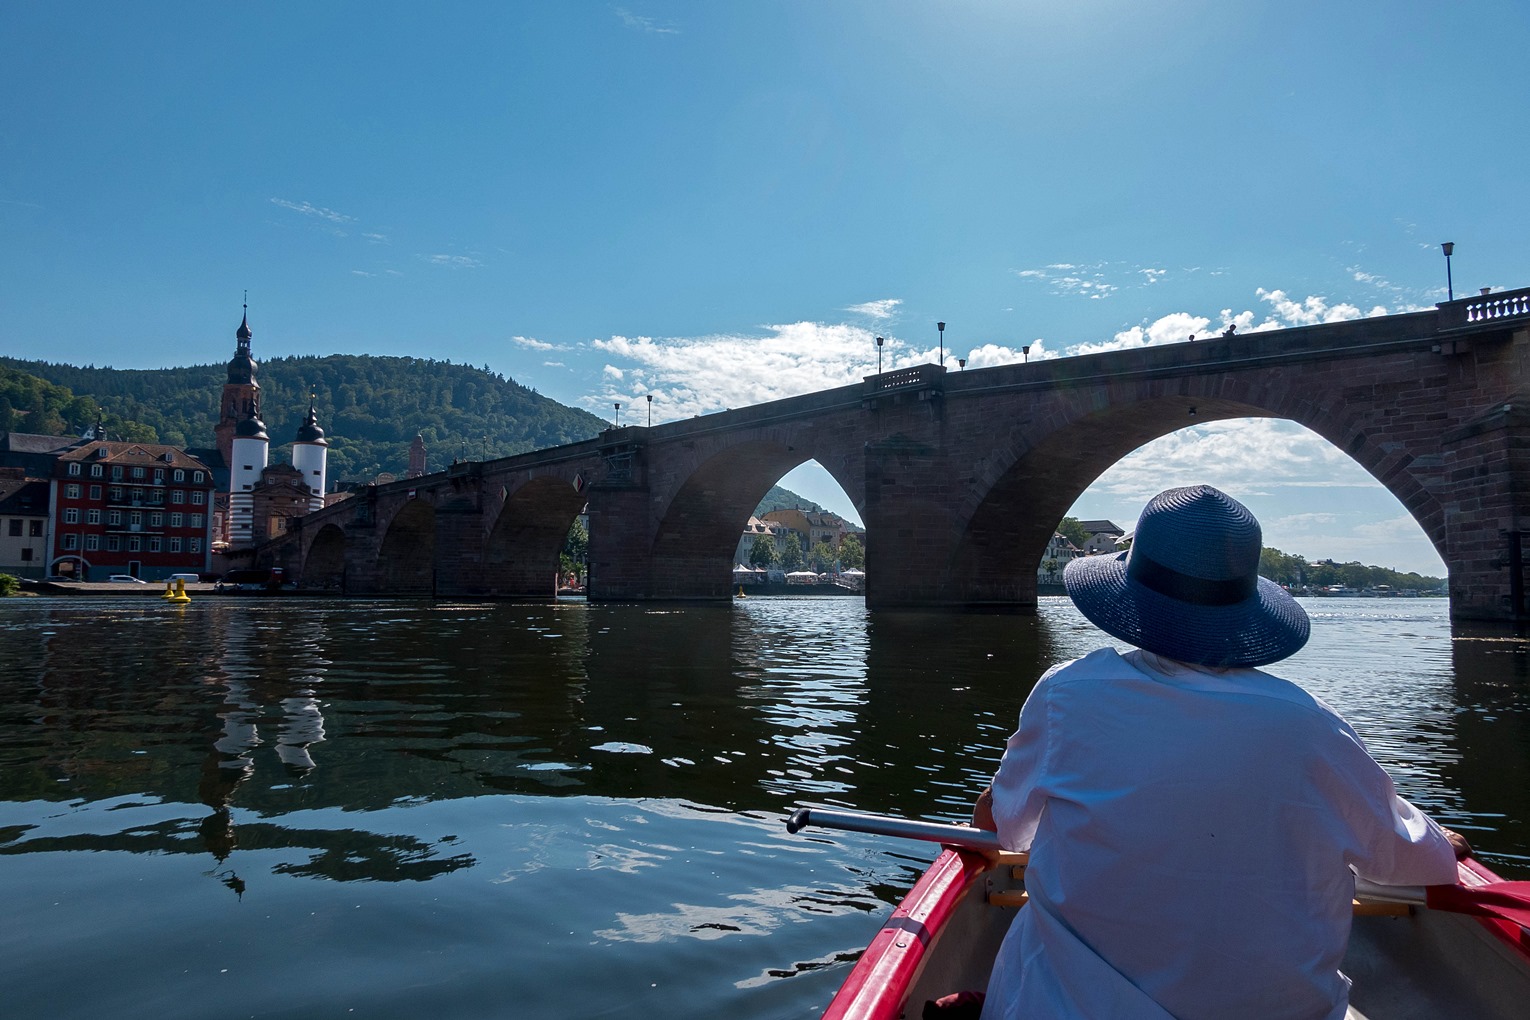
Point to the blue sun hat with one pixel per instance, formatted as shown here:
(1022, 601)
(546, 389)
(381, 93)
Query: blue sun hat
(1189, 587)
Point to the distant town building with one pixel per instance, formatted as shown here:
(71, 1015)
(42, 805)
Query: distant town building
(23, 524)
(129, 508)
(1055, 559)
(811, 526)
(1104, 537)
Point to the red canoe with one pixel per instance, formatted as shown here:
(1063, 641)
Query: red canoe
(1405, 962)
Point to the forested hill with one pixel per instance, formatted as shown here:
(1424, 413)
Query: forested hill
(370, 407)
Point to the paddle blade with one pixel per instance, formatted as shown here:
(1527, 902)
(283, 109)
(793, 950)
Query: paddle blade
(1507, 901)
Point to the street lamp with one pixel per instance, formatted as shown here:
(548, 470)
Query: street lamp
(879, 355)
(941, 326)
(961, 363)
(1026, 350)
(618, 415)
(650, 410)
(1450, 291)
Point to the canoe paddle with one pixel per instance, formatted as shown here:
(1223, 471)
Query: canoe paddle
(1503, 901)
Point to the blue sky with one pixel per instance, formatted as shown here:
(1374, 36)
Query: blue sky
(722, 203)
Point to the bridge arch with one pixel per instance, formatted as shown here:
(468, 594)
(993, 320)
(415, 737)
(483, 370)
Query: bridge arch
(522, 548)
(699, 528)
(406, 558)
(324, 564)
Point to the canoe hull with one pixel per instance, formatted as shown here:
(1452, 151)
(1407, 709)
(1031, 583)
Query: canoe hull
(944, 935)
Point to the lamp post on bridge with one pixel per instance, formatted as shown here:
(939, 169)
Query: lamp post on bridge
(941, 326)
(879, 355)
(1026, 351)
(618, 415)
(650, 410)
(1450, 291)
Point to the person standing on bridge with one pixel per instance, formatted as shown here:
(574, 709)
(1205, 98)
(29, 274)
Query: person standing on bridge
(1192, 821)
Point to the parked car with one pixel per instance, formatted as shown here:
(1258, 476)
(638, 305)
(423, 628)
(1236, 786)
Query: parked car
(60, 577)
(127, 579)
(188, 578)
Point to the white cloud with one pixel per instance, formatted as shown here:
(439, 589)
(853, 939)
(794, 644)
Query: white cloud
(699, 375)
(453, 261)
(1311, 311)
(883, 309)
(376, 238)
(612, 372)
(312, 210)
(532, 344)
(643, 23)
(361, 272)
(1152, 276)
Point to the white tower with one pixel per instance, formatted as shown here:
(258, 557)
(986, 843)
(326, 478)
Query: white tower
(310, 451)
(251, 448)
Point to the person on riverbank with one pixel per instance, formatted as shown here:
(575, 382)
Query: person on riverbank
(1194, 824)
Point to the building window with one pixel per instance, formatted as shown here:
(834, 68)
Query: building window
(175, 545)
(137, 496)
(74, 468)
(114, 518)
(70, 542)
(92, 542)
(156, 497)
(154, 544)
(197, 477)
(177, 519)
(113, 543)
(71, 516)
(199, 497)
(116, 472)
(92, 516)
(178, 476)
(156, 519)
(116, 494)
(26, 554)
(95, 492)
(15, 527)
(194, 544)
(135, 544)
(138, 473)
(178, 496)
(159, 476)
(71, 491)
(95, 470)
(196, 520)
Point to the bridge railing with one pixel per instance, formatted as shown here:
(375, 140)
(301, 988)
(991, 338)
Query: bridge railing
(903, 378)
(1485, 308)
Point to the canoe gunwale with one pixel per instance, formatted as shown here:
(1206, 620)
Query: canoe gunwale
(881, 979)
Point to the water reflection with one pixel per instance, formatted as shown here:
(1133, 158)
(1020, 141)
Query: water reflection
(392, 785)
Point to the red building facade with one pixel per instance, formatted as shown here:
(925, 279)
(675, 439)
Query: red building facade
(130, 508)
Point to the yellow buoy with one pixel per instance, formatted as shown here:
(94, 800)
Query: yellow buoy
(169, 590)
(180, 591)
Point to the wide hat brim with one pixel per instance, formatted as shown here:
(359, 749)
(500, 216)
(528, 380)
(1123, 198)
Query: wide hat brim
(1267, 626)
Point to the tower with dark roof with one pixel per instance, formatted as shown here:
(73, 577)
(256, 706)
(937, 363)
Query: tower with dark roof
(251, 450)
(241, 393)
(310, 451)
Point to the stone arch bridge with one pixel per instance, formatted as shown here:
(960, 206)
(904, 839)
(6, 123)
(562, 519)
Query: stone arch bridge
(961, 478)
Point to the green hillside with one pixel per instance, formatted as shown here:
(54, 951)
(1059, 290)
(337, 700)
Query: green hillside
(371, 408)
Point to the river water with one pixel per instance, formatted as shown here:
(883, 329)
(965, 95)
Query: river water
(342, 808)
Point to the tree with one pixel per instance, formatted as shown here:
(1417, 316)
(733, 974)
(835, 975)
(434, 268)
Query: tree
(1073, 531)
(576, 550)
(823, 557)
(852, 556)
(791, 552)
(763, 552)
